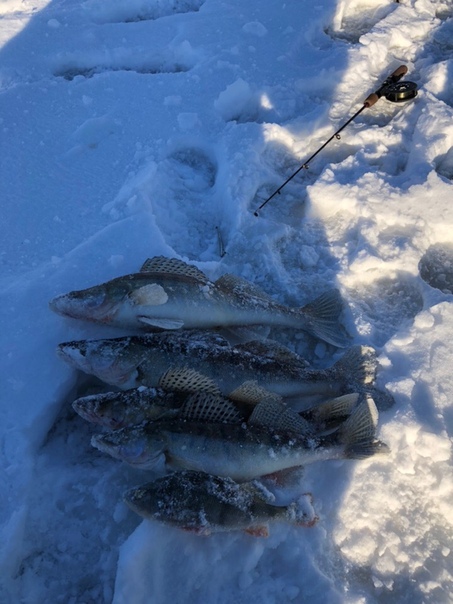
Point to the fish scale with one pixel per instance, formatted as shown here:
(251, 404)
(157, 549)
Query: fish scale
(242, 451)
(168, 293)
(204, 503)
(143, 360)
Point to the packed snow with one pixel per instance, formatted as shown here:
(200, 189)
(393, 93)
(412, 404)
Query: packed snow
(158, 127)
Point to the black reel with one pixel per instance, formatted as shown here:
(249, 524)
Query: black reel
(401, 91)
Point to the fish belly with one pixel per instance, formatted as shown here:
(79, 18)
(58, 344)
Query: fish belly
(199, 306)
(228, 458)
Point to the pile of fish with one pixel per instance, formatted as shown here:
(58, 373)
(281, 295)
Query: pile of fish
(227, 418)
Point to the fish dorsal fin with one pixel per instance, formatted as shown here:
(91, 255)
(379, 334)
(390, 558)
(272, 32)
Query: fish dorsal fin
(266, 414)
(173, 266)
(279, 417)
(271, 350)
(232, 283)
(182, 379)
(212, 408)
(334, 408)
(252, 393)
(290, 421)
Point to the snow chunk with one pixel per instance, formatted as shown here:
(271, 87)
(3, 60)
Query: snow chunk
(255, 28)
(54, 23)
(238, 98)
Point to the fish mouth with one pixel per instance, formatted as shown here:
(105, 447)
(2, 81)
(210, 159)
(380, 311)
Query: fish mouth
(79, 305)
(92, 411)
(74, 354)
(105, 363)
(137, 499)
(86, 411)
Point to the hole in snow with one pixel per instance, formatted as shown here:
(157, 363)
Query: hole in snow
(132, 11)
(69, 72)
(436, 267)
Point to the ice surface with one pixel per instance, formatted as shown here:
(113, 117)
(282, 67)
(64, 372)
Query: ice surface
(142, 128)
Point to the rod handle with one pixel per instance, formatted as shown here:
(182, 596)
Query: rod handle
(399, 72)
(371, 99)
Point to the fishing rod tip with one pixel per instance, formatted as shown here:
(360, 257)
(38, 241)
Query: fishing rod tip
(256, 213)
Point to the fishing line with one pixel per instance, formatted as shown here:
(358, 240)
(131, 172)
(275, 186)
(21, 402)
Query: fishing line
(393, 90)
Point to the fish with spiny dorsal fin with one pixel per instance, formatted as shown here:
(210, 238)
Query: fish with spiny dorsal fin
(115, 410)
(205, 504)
(168, 293)
(242, 451)
(134, 361)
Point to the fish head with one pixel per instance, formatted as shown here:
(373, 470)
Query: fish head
(144, 500)
(112, 361)
(135, 446)
(99, 303)
(105, 410)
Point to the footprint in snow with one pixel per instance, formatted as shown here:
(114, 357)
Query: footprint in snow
(185, 181)
(436, 267)
(384, 305)
(89, 65)
(118, 11)
(444, 165)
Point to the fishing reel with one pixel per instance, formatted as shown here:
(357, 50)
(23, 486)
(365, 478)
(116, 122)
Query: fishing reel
(400, 92)
(393, 89)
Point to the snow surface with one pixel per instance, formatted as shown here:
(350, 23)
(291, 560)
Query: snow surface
(148, 127)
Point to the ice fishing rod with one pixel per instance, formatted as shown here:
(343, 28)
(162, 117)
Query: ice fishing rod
(393, 90)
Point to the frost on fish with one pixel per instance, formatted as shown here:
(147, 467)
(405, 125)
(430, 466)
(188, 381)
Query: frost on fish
(274, 442)
(168, 293)
(115, 410)
(151, 360)
(191, 396)
(206, 504)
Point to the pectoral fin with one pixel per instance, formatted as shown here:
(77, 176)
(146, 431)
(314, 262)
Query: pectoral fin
(151, 294)
(160, 323)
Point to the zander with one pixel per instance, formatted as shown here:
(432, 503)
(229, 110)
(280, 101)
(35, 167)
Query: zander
(264, 445)
(168, 293)
(133, 361)
(115, 410)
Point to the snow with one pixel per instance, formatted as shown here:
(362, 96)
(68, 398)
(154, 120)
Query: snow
(148, 127)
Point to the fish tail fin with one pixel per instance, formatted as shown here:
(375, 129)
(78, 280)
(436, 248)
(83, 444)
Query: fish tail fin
(322, 317)
(301, 511)
(358, 433)
(357, 368)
